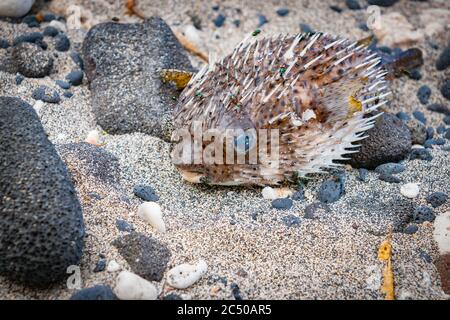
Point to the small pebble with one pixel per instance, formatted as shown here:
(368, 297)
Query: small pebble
(219, 20)
(390, 168)
(443, 60)
(421, 154)
(336, 8)
(62, 84)
(237, 23)
(4, 44)
(172, 296)
(235, 291)
(130, 286)
(439, 108)
(93, 137)
(215, 7)
(48, 17)
(382, 3)
(422, 214)
(316, 207)
(411, 229)
(46, 94)
(352, 4)
(19, 79)
(445, 89)
(389, 178)
(410, 190)
(437, 199)
(77, 59)
(146, 193)
(75, 78)
(420, 116)
(262, 20)
(305, 28)
(113, 266)
(414, 74)
(298, 195)
(101, 265)
(97, 292)
(430, 133)
(440, 130)
(429, 143)
(68, 94)
(51, 31)
(403, 116)
(330, 191)
(363, 26)
(31, 21)
(363, 174)
(282, 204)
(33, 37)
(290, 220)
(424, 94)
(282, 12)
(124, 226)
(151, 213)
(62, 43)
(185, 275)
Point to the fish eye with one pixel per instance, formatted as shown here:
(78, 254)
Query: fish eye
(244, 142)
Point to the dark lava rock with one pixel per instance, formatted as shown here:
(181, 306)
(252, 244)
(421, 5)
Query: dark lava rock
(382, 3)
(422, 214)
(414, 74)
(46, 94)
(31, 21)
(421, 154)
(439, 108)
(62, 84)
(122, 64)
(420, 116)
(444, 59)
(219, 20)
(282, 12)
(389, 141)
(68, 94)
(362, 174)
(437, 199)
(145, 192)
(389, 178)
(390, 168)
(31, 60)
(298, 195)
(4, 43)
(237, 23)
(49, 17)
(363, 26)
(172, 296)
(124, 226)
(19, 79)
(440, 129)
(336, 8)
(403, 116)
(330, 191)
(101, 265)
(282, 204)
(33, 37)
(262, 20)
(352, 4)
(146, 256)
(430, 133)
(41, 229)
(317, 208)
(290, 220)
(51, 31)
(98, 292)
(425, 257)
(430, 142)
(305, 28)
(411, 229)
(445, 89)
(77, 59)
(235, 291)
(62, 43)
(75, 78)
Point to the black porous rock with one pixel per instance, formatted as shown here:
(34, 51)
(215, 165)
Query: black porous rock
(445, 89)
(31, 61)
(50, 31)
(390, 168)
(46, 94)
(97, 292)
(290, 220)
(124, 226)
(146, 256)
(421, 154)
(75, 78)
(422, 214)
(41, 229)
(414, 74)
(282, 204)
(389, 141)
(145, 192)
(62, 43)
(123, 63)
(437, 199)
(330, 191)
(444, 59)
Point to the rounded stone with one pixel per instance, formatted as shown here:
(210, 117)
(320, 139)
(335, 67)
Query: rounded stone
(418, 131)
(31, 61)
(98, 292)
(75, 78)
(282, 204)
(437, 199)
(46, 94)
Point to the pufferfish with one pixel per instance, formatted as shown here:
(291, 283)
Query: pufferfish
(318, 92)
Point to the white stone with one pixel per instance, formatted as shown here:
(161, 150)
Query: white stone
(151, 213)
(113, 266)
(441, 232)
(185, 275)
(130, 286)
(396, 31)
(93, 137)
(276, 193)
(15, 8)
(410, 190)
(193, 35)
(417, 146)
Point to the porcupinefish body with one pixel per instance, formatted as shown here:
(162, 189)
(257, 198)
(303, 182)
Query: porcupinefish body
(314, 91)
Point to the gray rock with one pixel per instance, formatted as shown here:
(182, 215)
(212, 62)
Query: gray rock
(331, 191)
(98, 292)
(437, 199)
(75, 78)
(41, 229)
(146, 193)
(122, 64)
(389, 141)
(290, 220)
(146, 256)
(418, 131)
(31, 60)
(46, 94)
(282, 204)
(390, 168)
(421, 154)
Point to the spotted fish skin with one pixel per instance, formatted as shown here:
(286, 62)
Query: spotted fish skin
(316, 89)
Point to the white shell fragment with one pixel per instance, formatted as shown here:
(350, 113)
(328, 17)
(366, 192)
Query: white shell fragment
(410, 190)
(113, 266)
(185, 275)
(151, 213)
(276, 193)
(93, 137)
(130, 286)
